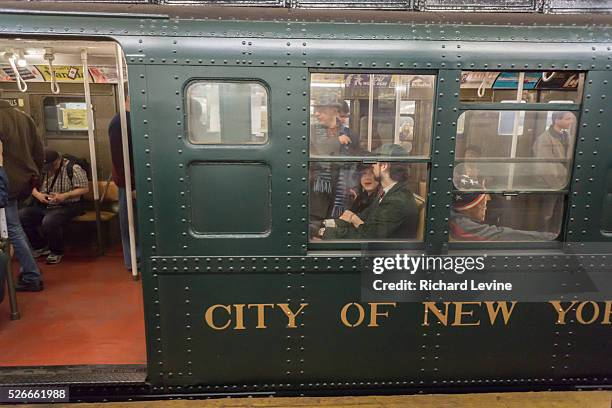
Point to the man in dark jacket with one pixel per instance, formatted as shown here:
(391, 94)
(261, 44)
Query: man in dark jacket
(3, 203)
(115, 138)
(394, 215)
(23, 161)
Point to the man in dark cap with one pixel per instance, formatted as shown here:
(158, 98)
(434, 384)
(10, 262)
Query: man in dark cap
(394, 215)
(23, 159)
(468, 215)
(55, 203)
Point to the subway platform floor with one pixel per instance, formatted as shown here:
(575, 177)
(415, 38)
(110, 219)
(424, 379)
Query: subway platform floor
(578, 399)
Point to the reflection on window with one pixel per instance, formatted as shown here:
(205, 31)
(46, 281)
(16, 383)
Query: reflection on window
(357, 201)
(356, 114)
(537, 87)
(227, 113)
(535, 156)
(478, 216)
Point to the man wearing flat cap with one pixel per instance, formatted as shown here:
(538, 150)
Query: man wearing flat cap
(330, 182)
(394, 215)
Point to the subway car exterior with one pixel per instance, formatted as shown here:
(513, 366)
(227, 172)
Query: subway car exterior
(239, 297)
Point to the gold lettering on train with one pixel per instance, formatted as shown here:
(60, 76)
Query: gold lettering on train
(221, 317)
(560, 311)
(431, 306)
(461, 315)
(208, 316)
(374, 312)
(344, 312)
(494, 311)
(290, 314)
(580, 309)
(261, 313)
(582, 313)
(239, 317)
(607, 312)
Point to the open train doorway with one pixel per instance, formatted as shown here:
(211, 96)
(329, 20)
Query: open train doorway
(79, 304)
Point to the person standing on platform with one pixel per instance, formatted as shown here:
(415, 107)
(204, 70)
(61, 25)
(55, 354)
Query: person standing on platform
(23, 160)
(116, 145)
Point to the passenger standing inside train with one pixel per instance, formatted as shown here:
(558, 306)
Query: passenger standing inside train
(554, 143)
(467, 220)
(3, 203)
(393, 216)
(330, 183)
(116, 146)
(23, 159)
(56, 201)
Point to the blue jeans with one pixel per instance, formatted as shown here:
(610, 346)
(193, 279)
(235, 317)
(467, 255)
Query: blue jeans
(28, 271)
(125, 229)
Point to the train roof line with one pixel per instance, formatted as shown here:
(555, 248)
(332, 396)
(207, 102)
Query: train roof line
(281, 14)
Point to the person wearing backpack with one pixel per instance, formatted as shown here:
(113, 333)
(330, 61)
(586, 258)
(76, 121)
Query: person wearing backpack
(55, 202)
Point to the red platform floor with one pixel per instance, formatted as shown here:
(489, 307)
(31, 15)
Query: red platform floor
(91, 312)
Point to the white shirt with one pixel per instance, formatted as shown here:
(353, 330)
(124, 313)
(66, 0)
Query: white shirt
(386, 190)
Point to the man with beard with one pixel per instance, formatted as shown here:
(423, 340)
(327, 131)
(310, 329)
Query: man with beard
(394, 215)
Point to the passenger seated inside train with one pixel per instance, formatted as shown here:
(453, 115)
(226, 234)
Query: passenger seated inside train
(468, 213)
(393, 215)
(55, 202)
(367, 191)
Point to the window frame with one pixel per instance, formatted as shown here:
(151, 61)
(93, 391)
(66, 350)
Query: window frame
(225, 80)
(356, 245)
(566, 192)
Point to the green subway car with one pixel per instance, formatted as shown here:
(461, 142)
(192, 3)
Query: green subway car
(274, 150)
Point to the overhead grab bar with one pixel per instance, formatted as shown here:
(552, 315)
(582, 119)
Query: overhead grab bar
(54, 85)
(21, 83)
(547, 78)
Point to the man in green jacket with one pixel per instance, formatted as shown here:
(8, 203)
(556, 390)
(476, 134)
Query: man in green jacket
(23, 161)
(394, 215)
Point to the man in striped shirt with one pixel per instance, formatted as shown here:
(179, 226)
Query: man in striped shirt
(56, 202)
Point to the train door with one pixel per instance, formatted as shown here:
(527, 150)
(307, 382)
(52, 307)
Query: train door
(226, 149)
(224, 200)
(84, 302)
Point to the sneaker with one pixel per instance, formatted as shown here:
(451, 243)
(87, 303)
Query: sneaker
(40, 252)
(29, 286)
(53, 259)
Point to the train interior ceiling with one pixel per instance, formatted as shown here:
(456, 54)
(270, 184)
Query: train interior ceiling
(91, 309)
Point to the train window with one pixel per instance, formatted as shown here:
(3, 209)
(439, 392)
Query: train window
(346, 200)
(494, 171)
(535, 157)
(372, 110)
(65, 117)
(537, 87)
(369, 147)
(227, 113)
